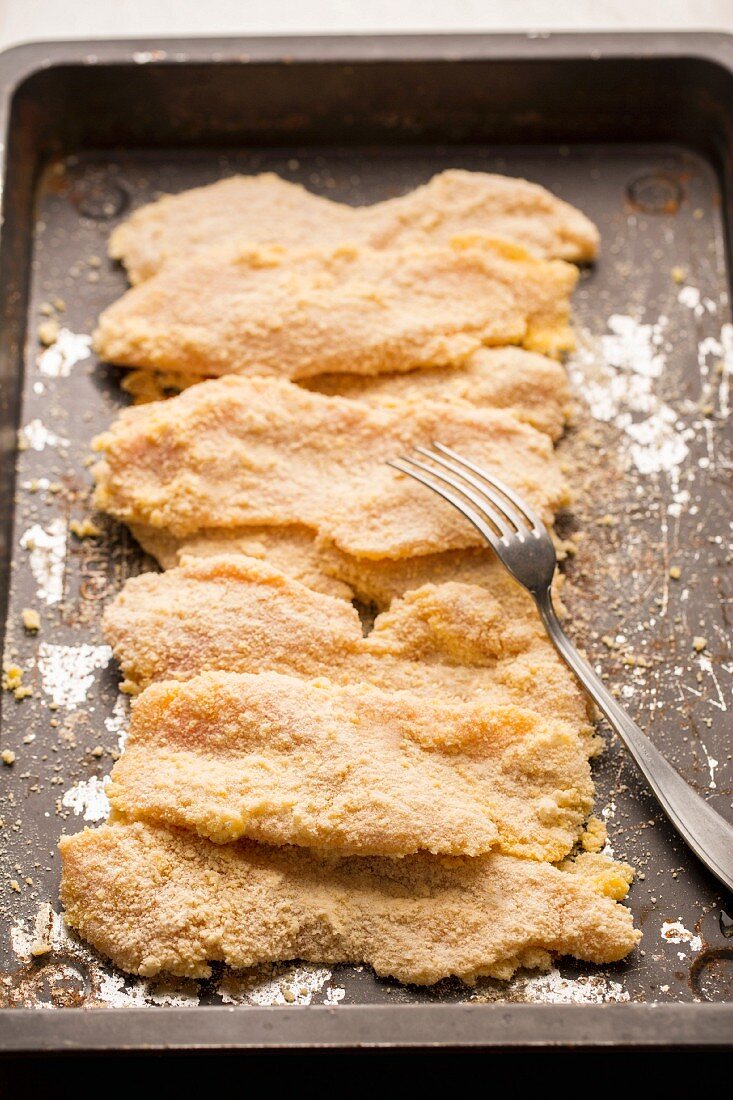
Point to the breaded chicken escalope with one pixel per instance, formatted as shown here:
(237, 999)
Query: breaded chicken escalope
(532, 387)
(293, 549)
(250, 452)
(236, 309)
(266, 209)
(317, 563)
(162, 900)
(351, 769)
(446, 641)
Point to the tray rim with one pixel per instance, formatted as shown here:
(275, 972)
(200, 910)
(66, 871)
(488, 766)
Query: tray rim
(25, 58)
(240, 1028)
(633, 1025)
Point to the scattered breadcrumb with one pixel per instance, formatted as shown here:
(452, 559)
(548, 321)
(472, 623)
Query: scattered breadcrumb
(699, 643)
(42, 932)
(675, 572)
(31, 620)
(48, 332)
(13, 681)
(12, 677)
(85, 529)
(678, 274)
(8, 757)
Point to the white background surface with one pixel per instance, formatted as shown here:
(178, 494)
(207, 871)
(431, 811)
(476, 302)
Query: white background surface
(27, 20)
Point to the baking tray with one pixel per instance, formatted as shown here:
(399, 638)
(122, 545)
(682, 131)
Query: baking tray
(638, 132)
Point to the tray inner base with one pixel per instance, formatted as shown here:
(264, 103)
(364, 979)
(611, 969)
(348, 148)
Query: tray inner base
(666, 489)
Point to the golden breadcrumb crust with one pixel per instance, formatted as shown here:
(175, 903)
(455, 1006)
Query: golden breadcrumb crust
(248, 310)
(318, 564)
(266, 209)
(532, 387)
(257, 451)
(156, 899)
(237, 614)
(351, 768)
(293, 549)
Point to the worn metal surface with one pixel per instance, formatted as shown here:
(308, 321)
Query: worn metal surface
(650, 457)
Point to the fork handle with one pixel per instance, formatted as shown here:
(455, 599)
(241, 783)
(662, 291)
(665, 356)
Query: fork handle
(706, 832)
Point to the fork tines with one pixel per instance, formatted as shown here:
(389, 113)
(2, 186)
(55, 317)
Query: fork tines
(497, 511)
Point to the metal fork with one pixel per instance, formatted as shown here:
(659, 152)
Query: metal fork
(522, 543)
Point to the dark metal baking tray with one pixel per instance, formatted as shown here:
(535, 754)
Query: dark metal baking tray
(638, 131)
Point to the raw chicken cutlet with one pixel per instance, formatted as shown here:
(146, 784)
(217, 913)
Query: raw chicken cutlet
(266, 209)
(294, 550)
(248, 310)
(317, 563)
(351, 769)
(532, 387)
(250, 452)
(448, 641)
(155, 899)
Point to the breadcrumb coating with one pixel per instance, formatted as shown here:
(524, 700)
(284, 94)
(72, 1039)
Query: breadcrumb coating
(149, 385)
(236, 614)
(351, 769)
(293, 549)
(381, 582)
(236, 309)
(258, 451)
(532, 387)
(266, 209)
(156, 899)
(318, 564)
